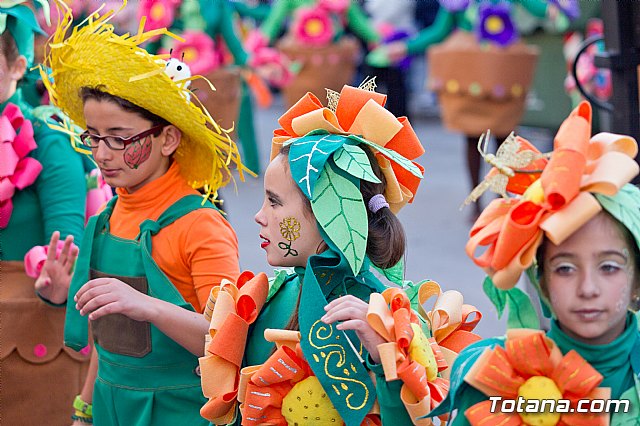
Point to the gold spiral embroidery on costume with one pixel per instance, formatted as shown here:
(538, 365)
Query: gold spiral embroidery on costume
(317, 334)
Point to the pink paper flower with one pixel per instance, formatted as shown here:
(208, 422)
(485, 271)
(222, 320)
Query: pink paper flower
(312, 26)
(17, 171)
(270, 63)
(334, 6)
(159, 13)
(98, 193)
(198, 51)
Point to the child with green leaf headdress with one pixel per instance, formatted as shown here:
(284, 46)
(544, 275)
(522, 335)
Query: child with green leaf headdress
(571, 221)
(338, 176)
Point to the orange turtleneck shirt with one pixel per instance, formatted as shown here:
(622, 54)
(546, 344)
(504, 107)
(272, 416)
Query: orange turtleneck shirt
(195, 252)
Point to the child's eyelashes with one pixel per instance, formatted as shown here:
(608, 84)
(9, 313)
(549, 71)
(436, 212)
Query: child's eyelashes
(610, 267)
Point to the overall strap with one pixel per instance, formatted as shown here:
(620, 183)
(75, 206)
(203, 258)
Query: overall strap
(149, 228)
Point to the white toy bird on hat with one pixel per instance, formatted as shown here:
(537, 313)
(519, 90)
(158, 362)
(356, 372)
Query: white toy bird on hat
(180, 73)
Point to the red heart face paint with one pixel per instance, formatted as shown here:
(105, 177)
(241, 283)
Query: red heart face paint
(137, 153)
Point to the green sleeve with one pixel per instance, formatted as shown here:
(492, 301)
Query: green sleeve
(229, 34)
(258, 12)
(277, 15)
(438, 31)
(392, 410)
(61, 186)
(537, 8)
(360, 25)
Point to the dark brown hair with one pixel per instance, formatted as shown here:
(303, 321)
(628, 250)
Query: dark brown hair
(386, 242)
(9, 47)
(97, 93)
(628, 239)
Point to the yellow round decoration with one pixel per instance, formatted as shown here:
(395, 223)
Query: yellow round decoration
(453, 86)
(494, 25)
(190, 55)
(516, 90)
(538, 388)
(534, 193)
(308, 404)
(314, 27)
(95, 56)
(157, 11)
(421, 352)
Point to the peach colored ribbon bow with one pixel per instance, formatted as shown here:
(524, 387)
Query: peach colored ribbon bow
(17, 171)
(531, 366)
(359, 112)
(558, 203)
(403, 356)
(232, 308)
(451, 321)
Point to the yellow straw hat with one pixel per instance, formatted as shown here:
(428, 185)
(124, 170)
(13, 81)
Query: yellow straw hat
(94, 55)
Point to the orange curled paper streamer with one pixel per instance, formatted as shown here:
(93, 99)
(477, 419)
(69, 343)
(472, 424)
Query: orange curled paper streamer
(358, 112)
(512, 229)
(233, 307)
(501, 371)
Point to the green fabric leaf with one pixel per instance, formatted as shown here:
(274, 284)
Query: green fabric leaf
(308, 156)
(3, 22)
(624, 206)
(631, 417)
(279, 278)
(521, 311)
(395, 274)
(339, 209)
(354, 161)
(403, 162)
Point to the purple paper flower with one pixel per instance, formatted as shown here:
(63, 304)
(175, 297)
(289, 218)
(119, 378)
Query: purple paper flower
(496, 25)
(571, 8)
(454, 5)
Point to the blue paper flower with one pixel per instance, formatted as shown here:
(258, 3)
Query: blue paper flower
(496, 25)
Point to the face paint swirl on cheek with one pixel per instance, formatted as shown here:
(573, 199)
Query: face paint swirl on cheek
(137, 153)
(290, 231)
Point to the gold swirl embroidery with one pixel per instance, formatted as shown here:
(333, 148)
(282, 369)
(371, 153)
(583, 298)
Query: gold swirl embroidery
(325, 332)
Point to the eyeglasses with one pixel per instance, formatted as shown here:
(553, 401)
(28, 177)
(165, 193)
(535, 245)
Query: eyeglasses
(117, 143)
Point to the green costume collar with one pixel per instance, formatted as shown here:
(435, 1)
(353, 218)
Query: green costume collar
(616, 361)
(22, 24)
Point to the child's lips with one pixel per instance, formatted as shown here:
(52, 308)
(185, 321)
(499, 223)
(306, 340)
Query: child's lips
(265, 241)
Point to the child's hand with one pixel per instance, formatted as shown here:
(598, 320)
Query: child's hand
(353, 312)
(55, 277)
(104, 296)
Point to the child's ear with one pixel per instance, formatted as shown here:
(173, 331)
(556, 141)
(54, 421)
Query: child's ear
(18, 68)
(172, 138)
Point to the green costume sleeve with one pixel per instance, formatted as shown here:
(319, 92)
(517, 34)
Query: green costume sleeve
(392, 409)
(441, 28)
(537, 8)
(359, 23)
(61, 186)
(279, 12)
(219, 18)
(258, 12)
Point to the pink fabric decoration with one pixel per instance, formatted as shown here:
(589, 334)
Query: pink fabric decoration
(97, 196)
(35, 258)
(312, 26)
(17, 171)
(159, 13)
(334, 6)
(40, 350)
(199, 51)
(85, 351)
(261, 55)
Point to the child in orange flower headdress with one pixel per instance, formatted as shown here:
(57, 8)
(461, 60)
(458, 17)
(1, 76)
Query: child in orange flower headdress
(337, 178)
(576, 227)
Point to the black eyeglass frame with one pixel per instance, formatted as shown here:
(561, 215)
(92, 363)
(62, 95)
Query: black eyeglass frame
(86, 136)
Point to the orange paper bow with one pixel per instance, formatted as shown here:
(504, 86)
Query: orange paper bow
(233, 307)
(359, 112)
(408, 355)
(532, 367)
(558, 203)
(282, 391)
(451, 321)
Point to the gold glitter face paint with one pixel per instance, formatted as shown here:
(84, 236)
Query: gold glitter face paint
(290, 231)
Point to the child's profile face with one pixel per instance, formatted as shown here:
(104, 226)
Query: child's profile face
(289, 232)
(136, 165)
(589, 279)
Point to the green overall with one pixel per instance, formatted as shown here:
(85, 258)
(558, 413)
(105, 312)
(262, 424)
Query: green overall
(144, 377)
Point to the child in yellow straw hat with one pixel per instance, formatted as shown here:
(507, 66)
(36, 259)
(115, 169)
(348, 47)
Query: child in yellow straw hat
(149, 260)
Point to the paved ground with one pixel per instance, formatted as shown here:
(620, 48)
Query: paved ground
(435, 226)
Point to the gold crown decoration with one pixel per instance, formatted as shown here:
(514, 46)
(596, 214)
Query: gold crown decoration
(93, 55)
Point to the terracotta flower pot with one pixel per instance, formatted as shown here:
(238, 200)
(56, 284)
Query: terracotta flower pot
(481, 87)
(224, 103)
